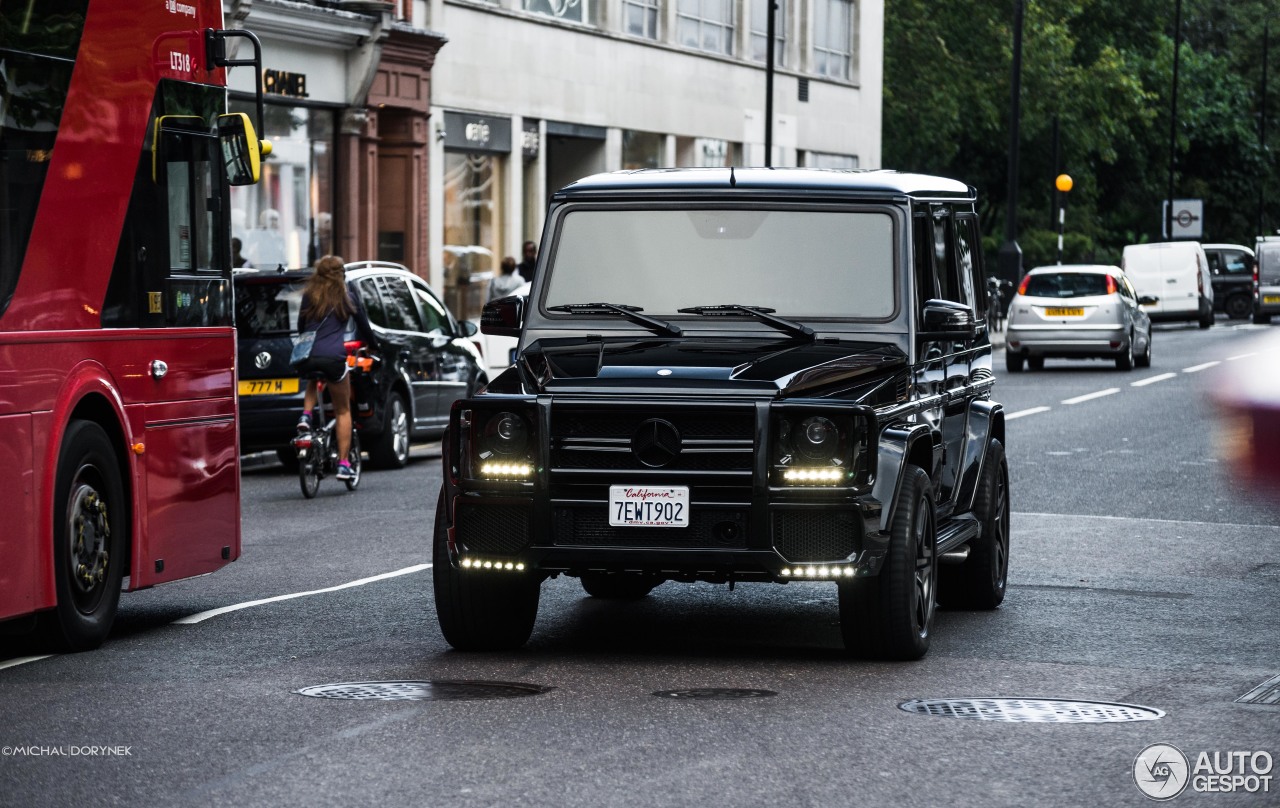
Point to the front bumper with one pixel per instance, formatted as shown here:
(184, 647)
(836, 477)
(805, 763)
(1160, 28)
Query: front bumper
(724, 541)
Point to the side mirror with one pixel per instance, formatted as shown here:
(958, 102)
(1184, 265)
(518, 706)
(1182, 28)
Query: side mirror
(503, 317)
(947, 318)
(242, 152)
(1148, 300)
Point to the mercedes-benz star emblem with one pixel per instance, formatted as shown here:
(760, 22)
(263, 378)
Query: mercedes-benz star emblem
(262, 361)
(656, 443)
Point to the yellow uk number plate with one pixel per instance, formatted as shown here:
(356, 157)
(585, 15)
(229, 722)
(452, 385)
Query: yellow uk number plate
(1060, 312)
(268, 387)
(1271, 299)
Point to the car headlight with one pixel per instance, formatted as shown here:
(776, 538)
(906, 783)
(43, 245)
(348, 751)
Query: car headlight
(812, 449)
(501, 444)
(505, 434)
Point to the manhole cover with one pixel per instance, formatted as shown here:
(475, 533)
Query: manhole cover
(423, 691)
(715, 693)
(1033, 710)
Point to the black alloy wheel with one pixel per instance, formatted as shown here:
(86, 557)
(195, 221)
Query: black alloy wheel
(90, 531)
(480, 610)
(891, 616)
(980, 582)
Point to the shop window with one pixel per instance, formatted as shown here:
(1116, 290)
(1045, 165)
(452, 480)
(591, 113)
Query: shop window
(641, 150)
(473, 223)
(287, 218)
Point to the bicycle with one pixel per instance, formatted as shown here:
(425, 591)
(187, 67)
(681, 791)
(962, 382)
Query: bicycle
(318, 448)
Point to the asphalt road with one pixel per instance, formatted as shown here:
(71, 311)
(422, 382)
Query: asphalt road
(1141, 574)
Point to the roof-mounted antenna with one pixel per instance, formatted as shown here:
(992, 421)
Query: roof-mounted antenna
(733, 181)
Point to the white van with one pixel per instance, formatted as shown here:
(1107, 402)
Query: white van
(1177, 274)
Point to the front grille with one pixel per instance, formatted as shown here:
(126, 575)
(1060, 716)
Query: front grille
(500, 529)
(600, 438)
(709, 528)
(813, 535)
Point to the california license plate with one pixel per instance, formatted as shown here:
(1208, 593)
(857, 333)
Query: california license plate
(268, 387)
(1271, 299)
(1064, 312)
(649, 505)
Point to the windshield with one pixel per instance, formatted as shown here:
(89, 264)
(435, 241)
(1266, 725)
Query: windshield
(801, 263)
(1067, 284)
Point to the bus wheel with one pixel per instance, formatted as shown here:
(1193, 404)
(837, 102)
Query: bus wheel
(90, 527)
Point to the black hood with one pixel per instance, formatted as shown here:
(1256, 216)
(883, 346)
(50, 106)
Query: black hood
(763, 367)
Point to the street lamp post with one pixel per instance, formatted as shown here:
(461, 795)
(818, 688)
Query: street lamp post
(1063, 184)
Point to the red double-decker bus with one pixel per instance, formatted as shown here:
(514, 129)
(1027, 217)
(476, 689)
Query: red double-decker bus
(119, 461)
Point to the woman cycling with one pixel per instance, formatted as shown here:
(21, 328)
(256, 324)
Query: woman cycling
(327, 307)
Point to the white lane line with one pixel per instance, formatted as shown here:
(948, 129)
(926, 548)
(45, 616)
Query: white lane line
(22, 660)
(200, 617)
(1143, 519)
(1241, 356)
(1091, 396)
(1020, 413)
(1197, 368)
(1152, 380)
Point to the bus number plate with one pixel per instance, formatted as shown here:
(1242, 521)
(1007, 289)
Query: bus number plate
(648, 506)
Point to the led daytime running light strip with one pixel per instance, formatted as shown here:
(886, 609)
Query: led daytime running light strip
(813, 475)
(491, 565)
(818, 573)
(506, 469)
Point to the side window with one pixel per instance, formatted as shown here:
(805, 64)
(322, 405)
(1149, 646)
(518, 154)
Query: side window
(943, 257)
(373, 303)
(402, 312)
(1126, 290)
(969, 264)
(922, 238)
(434, 316)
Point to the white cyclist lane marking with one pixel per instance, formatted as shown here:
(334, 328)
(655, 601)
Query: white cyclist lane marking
(22, 660)
(1020, 413)
(202, 616)
(1152, 380)
(1198, 368)
(1091, 396)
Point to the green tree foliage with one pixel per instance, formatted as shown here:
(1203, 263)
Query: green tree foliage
(1102, 69)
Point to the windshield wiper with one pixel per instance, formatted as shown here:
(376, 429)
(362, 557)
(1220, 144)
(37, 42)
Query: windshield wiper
(761, 313)
(632, 313)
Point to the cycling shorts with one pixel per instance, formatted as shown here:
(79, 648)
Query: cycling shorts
(331, 367)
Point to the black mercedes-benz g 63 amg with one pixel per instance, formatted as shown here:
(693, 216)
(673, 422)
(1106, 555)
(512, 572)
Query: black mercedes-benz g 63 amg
(737, 375)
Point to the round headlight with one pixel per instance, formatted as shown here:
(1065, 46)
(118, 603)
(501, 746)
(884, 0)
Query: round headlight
(817, 440)
(506, 434)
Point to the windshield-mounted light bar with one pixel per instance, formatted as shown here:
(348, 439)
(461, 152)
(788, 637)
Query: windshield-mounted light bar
(490, 564)
(819, 572)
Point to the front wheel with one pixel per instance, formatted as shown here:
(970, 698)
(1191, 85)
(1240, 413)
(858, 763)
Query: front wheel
(480, 610)
(353, 460)
(90, 528)
(980, 582)
(891, 616)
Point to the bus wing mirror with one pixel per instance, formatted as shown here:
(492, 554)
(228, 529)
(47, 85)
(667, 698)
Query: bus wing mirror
(242, 152)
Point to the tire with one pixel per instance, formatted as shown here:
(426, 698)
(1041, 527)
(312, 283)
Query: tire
(353, 458)
(1261, 319)
(620, 586)
(891, 616)
(480, 611)
(981, 581)
(1144, 361)
(1035, 362)
(391, 450)
(310, 468)
(1206, 318)
(1238, 307)
(90, 531)
(1013, 361)
(1124, 361)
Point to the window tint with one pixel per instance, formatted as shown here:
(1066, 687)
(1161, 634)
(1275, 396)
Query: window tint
(402, 312)
(434, 317)
(1067, 284)
(373, 303)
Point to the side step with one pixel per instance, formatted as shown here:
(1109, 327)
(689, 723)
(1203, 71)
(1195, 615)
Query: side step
(953, 539)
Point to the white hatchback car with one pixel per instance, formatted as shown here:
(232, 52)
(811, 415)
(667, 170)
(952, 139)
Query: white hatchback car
(1077, 311)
